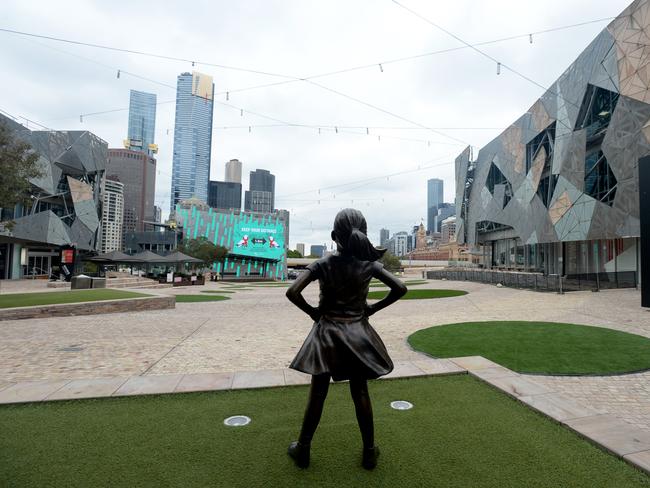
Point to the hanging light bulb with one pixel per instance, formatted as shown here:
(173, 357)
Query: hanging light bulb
(249, 129)
(81, 118)
(241, 112)
(498, 68)
(192, 64)
(319, 131)
(227, 96)
(530, 38)
(381, 68)
(118, 74)
(336, 129)
(367, 131)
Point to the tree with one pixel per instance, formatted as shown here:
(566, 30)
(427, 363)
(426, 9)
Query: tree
(19, 164)
(293, 254)
(204, 250)
(390, 262)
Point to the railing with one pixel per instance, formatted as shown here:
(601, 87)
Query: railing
(539, 281)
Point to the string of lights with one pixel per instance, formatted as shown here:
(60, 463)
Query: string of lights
(291, 79)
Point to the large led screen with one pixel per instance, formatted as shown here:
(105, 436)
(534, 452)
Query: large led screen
(258, 241)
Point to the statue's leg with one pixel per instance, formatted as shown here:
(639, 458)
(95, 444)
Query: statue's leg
(299, 450)
(320, 385)
(363, 408)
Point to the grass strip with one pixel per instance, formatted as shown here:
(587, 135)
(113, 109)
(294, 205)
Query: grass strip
(419, 294)
(460, 433)
(71, 296)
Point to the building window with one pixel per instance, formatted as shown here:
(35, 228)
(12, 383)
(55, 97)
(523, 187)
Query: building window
(595, 114)
(544, 141)
(496, 177)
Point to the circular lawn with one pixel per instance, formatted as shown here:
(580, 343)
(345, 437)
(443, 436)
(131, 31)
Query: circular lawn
(539, 347)
(419, 294)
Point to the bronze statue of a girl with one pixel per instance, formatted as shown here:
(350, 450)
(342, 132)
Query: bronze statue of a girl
(342, 344)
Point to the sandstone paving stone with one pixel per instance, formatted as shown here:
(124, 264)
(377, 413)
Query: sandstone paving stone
(205, 382)
(472, 363)
(30, 391)
(404, 369)
(640, 460)
(612, 433)
(496, 372)
(557, 406)
(438, 366)
(293, 377)
(148, 385)
(258, 379)
(93, 388)
(517, 386)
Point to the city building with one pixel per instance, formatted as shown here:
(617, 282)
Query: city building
(112, 216)
(233, 171)
(445, 210)
(317, 250)
(435, 197)
(400, 246)
(137, 172)
(257, 242)
(300, 247)
(62, 223)
(224, 195)
(192, 137)
(384, 235)
(448, 230)
(157, 214)
(142, 123)
(260, 197)
(557, 191)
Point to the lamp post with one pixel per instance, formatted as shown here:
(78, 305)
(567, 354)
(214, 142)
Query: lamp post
(644, 224)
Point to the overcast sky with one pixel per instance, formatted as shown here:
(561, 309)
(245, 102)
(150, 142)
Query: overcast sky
(458, 92)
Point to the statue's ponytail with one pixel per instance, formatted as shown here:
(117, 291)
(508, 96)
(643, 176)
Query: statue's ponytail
(350, 229)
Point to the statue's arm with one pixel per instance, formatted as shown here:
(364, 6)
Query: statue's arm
(294, 294)
(397, 290)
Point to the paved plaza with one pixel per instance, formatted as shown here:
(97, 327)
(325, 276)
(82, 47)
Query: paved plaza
(258, 329)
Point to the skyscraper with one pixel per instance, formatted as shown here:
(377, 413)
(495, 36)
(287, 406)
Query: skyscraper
(300, 247)
(192, 137)
(260, 197)
(384, 235)
(233, 171)
(137, 172)
(435, 195)
(224, 195)
(112, 216)
(142, 123)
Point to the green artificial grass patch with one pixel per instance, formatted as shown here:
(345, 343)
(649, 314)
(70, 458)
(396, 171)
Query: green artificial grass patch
(460, 433)
(419, 294)
(378, 284)
(72, 296)
(539, 347)
(199, 298)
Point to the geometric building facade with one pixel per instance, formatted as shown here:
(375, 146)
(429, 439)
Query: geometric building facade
(66, 202)
(557, 191)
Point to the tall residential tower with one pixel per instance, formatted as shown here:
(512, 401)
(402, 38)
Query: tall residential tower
(142, 123)
(192, 137)
(435, 195)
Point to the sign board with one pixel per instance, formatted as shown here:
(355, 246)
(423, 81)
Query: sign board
(67, 256)
(170, 277)
(259, 241)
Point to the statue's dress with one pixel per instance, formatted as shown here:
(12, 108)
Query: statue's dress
(342, 343)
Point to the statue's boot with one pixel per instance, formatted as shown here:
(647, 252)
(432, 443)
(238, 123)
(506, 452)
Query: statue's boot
(369, 459)
(299, 453)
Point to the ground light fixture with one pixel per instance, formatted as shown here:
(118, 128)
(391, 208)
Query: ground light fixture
(401, 405)
(237, 421)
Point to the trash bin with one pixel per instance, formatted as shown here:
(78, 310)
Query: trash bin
(81, 282)
(98, 282)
